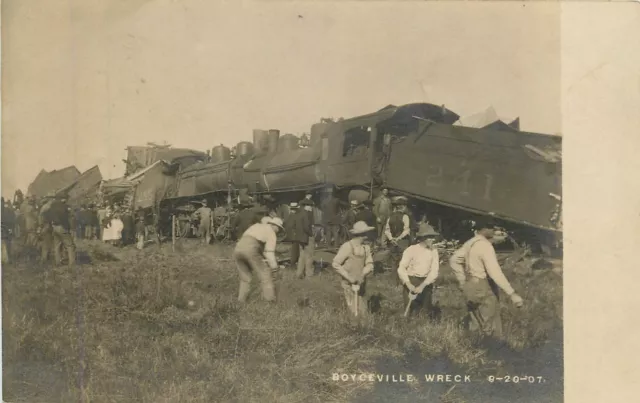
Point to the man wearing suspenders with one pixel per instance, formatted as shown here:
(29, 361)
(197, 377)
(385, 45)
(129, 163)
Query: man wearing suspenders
(477, 269)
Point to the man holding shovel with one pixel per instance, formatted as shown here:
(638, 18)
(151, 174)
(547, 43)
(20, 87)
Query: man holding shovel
(354, 262)
(477, 269)
(258, 243)
(418, 270)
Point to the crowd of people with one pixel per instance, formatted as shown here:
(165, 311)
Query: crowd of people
(49, 226)
(43, 228)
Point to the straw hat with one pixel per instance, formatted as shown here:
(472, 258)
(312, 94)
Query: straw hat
(294, 205)
(307, 202)
(426, 230)
(354, 203)
(400, 200)
(360, 228)
(277, 221)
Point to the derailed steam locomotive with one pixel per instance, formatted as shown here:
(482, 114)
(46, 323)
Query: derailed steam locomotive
(449, 173)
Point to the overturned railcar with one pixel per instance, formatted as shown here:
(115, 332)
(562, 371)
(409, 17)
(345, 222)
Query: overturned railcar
(514, 176)
(413, 150)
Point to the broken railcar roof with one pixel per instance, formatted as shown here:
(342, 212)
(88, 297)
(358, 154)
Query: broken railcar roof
(50, 182)
(86, 182)
(394, 118)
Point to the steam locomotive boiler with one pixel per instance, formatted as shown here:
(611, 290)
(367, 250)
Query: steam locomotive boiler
(448, 172)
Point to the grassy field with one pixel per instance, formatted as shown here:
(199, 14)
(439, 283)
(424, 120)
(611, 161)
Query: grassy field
(122, 329)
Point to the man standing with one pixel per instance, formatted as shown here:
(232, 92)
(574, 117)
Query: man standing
(382, 210)
(128, 227)
(77, 230)
(350, 216)
(244, 219)
(303, 236)
(30, 216)
(58, 217)
(102, 217)
(46, 236)
(205, 214)
(354, 262)
(90, 219)
(257, 243)
(308, 196)
(418, 270)
(397, 230)
(7, 231)
(140, 228)
(476, 267)
(365, 214)
(289, 227)
(331, 216)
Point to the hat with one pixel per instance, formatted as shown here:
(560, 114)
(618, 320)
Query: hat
(354, 203)
(425, 230)
(484, 222)
(360, 228)
(293, 205)
(400, 200)
(306, 202)
(277, 221)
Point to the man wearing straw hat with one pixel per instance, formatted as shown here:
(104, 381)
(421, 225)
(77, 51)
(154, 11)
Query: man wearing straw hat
(354, 263)
(258, 243)
(418, 270)
(476, 267)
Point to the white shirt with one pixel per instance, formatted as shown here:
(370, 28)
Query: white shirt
(265, 234)
(477, 257)
(418, 261)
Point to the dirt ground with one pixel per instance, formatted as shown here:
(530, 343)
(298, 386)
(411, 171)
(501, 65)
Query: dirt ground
(163, 326)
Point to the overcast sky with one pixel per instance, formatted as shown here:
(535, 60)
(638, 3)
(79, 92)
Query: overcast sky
(84, 78)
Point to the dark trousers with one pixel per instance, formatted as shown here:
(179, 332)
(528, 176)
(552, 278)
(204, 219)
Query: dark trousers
(295, 253)
(395, 255)
(332, 235)
(424, 300)
(62, 237)
(80, 231)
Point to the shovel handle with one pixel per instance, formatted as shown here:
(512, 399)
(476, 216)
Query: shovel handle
(355, 295)
(412, 296)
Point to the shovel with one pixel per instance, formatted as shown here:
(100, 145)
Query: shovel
(356, 289)
(412, 297)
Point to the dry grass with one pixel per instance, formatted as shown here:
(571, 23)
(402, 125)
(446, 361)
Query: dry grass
(118, 331)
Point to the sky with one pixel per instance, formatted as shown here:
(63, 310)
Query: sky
(82, 79)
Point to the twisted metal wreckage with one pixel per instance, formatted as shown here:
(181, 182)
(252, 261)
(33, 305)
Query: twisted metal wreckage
(449, 171)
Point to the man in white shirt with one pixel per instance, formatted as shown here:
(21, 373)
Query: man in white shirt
(257, 243)
(476, 267)
(418, 270)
